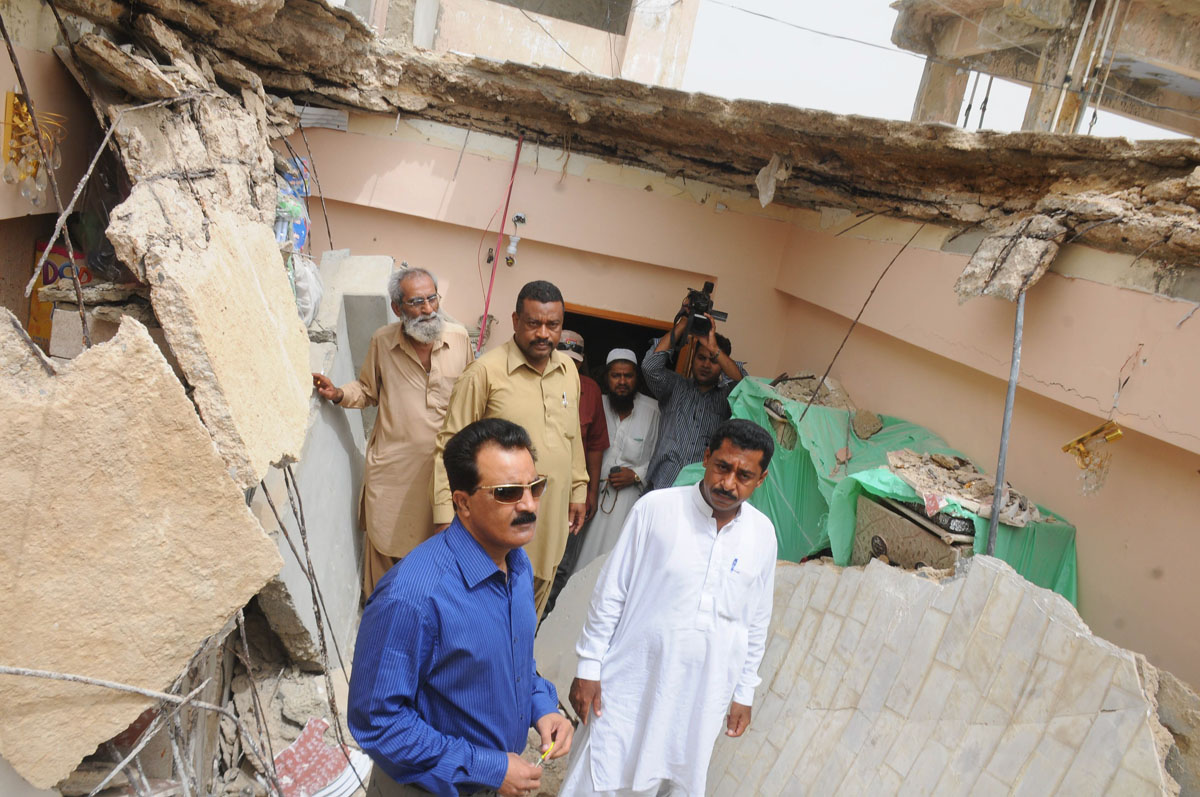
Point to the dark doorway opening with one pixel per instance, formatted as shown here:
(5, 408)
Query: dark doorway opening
(604, 330)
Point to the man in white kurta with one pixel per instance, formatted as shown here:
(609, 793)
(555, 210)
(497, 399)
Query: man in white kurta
(632, 432)
(676, 629)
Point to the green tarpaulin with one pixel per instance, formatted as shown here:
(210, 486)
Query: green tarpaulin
(813, 500)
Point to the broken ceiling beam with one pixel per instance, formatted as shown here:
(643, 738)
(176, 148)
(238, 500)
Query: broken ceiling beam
(1008, 262)
(924, 172)
(137, 76)
(126, 542)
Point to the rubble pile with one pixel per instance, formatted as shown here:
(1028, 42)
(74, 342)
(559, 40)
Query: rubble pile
(938, 478)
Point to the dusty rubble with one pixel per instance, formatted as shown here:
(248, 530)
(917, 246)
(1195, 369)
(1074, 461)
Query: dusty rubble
(940, 476)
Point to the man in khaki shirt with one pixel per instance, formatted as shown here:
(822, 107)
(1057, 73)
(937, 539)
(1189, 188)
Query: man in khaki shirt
(527, 381)
(409, 371)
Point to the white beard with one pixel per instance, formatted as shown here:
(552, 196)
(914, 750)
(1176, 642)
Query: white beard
(424, 329)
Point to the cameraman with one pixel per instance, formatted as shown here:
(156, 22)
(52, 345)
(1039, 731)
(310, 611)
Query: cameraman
(691, 408)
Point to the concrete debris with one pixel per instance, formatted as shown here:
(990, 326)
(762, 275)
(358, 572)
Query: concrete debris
(1178, 708)
(311, 52)
(866, 424)
(876, 678)
(801, 387)
(120, 523)
(938, 478)
(135, 74)
(1012, 260)
(93, 293)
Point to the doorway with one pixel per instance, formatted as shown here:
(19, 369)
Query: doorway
(605, 330)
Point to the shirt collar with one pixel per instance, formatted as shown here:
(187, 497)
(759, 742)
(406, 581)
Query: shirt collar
(473, 562)
(702, 506)
(516, 358)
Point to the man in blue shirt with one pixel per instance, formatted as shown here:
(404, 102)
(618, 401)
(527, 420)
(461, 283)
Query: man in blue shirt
(444, 687)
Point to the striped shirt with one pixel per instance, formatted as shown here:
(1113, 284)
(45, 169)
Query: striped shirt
(688, 418)
(444, 684)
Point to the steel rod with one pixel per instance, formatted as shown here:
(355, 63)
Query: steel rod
(1014, 373)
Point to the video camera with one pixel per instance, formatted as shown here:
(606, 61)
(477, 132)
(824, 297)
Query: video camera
(701, 304)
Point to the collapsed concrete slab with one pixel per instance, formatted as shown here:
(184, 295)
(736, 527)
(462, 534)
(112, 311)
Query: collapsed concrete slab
(197, 228)
(126, 542)
(879, 681)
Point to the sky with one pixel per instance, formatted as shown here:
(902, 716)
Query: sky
(737, 53)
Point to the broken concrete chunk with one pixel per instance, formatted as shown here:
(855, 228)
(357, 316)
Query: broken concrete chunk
(119, 531)
(981, 678)
(94, 293)
(1011, 261)
(138, 76)
(866, 423)
(776, 170)
(938, 478)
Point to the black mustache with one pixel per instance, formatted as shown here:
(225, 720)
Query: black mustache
(524, 517)
(725, 493)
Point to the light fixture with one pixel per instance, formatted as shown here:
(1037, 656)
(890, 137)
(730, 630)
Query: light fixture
(26, 164)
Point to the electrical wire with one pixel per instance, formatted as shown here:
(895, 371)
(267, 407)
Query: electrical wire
(487, 302)
(584, 66)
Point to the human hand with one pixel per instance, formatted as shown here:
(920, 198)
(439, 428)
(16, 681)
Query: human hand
(710, 340)
(592, 498)
(576, 513)
(585, 696)
(326, 389)
(520, 778)
(556, 728)
(622, 478)
(738, 719)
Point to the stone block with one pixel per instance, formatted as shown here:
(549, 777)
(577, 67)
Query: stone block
(220, 291)
(874, 696)
(162, 549)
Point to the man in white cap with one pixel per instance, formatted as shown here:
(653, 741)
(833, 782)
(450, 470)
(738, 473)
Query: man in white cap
(632, 433)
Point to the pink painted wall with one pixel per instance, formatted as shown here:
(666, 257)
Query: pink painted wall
(1137, 537)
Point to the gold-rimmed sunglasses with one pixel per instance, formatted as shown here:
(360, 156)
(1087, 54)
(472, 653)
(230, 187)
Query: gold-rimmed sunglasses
(512, 493)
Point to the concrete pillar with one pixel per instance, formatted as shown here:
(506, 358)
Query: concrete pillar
(1052, 71)
(940, 95)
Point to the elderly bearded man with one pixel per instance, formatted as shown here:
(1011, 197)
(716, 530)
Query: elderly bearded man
(409, 372)
(676, 629)
(440, 698)
(529, 382)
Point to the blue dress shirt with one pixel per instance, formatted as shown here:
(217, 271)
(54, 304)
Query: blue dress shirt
(444, 684)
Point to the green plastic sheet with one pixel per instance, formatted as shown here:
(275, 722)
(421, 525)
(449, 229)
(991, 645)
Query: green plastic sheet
(813, 499)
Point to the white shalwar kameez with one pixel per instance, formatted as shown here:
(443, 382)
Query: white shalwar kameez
(675, 631)
(630, 443)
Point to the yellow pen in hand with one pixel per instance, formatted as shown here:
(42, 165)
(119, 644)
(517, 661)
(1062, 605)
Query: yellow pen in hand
(542, 760)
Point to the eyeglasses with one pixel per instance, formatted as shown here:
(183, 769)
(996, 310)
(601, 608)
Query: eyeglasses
(512, 493)
(422, 300)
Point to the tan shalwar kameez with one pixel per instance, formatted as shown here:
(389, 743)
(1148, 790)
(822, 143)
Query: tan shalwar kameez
(502, 384)
(395, 506)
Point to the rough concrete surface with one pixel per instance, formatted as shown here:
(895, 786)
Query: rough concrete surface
(1145, 193)
(1011, 261)
(879, 681)
(126, 544)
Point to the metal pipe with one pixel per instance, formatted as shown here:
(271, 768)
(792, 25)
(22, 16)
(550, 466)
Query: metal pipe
(1013, 373)
(1062, 93)
(1091, 89)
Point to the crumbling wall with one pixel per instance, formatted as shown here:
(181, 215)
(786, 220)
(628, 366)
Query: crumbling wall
(126, 543)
